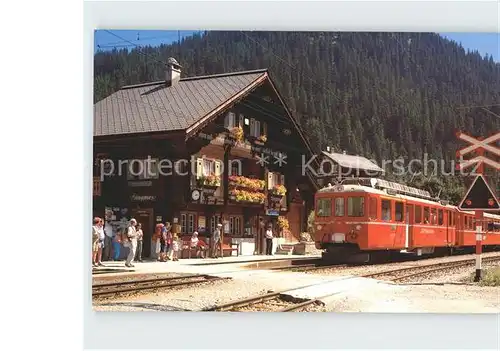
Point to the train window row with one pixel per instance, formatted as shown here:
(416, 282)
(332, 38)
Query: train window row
(356, 208)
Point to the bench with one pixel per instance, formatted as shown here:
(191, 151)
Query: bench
(227, 245)
(187, 251)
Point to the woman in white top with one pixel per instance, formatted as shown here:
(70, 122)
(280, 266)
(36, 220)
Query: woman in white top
(269, 241)
(196, 244)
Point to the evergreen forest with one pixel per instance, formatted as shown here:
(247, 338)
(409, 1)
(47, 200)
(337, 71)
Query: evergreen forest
(385, 96)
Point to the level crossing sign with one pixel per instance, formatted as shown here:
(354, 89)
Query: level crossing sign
(479, 197)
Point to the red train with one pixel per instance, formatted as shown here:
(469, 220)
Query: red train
(370, 217)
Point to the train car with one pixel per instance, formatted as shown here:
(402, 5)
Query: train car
(366, 217)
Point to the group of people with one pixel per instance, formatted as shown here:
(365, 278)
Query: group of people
(105, 240)
(167, 244)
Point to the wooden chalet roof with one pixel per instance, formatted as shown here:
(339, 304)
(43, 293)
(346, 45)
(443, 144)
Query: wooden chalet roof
(155, 107)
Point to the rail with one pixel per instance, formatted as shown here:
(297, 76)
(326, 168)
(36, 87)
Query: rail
(150, 284)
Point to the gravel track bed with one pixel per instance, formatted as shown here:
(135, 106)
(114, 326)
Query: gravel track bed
(314, 308)
(192, 298)
(419, 299)
(127, 278)
(274, 305)
(140, 293)
(376, 268)
(457, 275)
(245, 285)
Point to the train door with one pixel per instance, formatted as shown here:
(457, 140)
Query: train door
(410, 219)
(449, 228)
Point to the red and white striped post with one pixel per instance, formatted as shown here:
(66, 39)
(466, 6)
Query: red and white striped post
(479, 225)
(479, 244)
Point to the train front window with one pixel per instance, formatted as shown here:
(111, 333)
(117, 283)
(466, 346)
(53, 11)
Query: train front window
(324, 207)
(339, 207)
(356, 206)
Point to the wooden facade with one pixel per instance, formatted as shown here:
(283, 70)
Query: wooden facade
(211, 173)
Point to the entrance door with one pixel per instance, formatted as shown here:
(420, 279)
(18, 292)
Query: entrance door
(145, 217)
(410, 219)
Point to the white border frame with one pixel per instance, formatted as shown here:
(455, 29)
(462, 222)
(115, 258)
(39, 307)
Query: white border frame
(141, 330)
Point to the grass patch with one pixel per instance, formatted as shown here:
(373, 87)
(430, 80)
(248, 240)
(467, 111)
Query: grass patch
(491, 277)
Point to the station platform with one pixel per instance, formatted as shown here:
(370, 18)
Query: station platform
(198, 266)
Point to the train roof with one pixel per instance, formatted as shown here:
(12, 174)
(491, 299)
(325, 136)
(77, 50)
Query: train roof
(340, 188)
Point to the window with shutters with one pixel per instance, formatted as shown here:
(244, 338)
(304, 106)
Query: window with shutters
(207, 166)
(235, 225)
(183, 223)
(188, 220)
(230, 120)
(275, 179)
(190, 223)
(254, 128)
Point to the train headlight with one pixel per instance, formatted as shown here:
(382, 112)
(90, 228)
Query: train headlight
(319, 227)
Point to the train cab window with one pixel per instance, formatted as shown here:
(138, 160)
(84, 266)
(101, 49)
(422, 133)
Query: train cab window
(324, 207)
(427, 215)
(399, 209)
(386, 210)
(440, 217)
(356, 206)
(339, 207)
(450, 218)
(433, 216)
(418, 214)
(373, 208)
(466, 222)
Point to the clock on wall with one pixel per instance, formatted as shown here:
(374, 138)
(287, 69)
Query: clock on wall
(195, 195)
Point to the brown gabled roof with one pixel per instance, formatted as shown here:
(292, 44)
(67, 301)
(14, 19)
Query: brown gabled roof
(154, 107)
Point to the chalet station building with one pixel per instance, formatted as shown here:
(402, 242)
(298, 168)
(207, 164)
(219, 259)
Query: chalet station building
(200, 151)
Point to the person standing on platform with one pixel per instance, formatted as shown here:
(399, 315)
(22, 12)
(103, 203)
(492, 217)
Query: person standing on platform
(168, 241)
(140, 236)
(216, 241)
(95, 241)
(269, 241)
(175, 248)
(132, 237)
(117, 240)
(108, 239)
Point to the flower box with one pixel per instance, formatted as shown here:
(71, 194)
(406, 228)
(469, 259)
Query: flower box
(209, 182)
(241, 182)
(236, 133)
(244, 196)
(278, 190)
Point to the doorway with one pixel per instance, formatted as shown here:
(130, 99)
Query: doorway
(410, 220)
(145, 217)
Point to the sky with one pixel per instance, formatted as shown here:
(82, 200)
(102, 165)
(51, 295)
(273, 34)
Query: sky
(485, 43)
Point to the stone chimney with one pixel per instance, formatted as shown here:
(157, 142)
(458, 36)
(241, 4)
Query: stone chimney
(172, 72)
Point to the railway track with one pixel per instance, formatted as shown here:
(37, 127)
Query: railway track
(411, 272)
(111, 289)
(273, 302)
